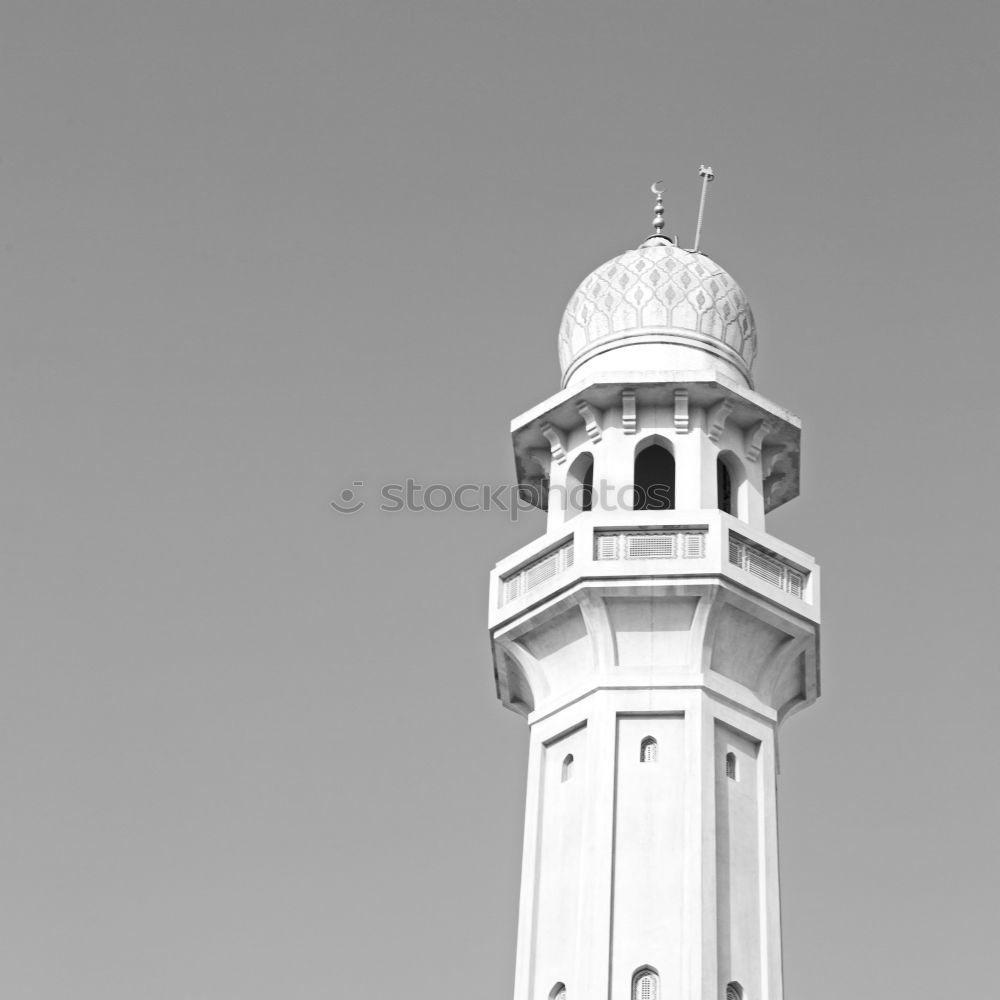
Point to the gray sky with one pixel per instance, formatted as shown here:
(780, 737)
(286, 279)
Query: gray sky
(253, 252)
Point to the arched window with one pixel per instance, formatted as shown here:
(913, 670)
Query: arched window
(647, 751)
(580, 485)
(724, 484)
(654, 478)
(567, 767)
(731, 767)
(734, 992)
(730, 481)
(558, 992)
(646, 985)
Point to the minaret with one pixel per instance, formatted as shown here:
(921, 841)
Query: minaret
(654, 639)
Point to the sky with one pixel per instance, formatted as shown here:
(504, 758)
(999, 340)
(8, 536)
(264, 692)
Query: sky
(254, 253)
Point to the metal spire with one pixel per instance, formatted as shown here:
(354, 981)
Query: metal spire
(706, 176)
(658, 239)
(657, 188)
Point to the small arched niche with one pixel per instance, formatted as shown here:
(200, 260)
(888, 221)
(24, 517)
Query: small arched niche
(567, 767)
(648, 750)
(580, 486)
(734, 991)
(558, 992)
(646, 984)
(654, 476)
(731, 772)
(730, 483)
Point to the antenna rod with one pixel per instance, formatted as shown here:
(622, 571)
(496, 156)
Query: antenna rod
(706, 176)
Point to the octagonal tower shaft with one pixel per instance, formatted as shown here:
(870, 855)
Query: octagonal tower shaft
(654, 653)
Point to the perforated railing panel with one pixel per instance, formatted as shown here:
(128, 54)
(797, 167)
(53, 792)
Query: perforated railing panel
(766, 566)
(537, 572)
(651, 543)
(607, 546)
(651, 546)
(541, 571)
(694, 545)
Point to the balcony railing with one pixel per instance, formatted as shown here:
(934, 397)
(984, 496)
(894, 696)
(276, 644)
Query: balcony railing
(651, 549)
(651, 543)
(537, 572)
(766, 566)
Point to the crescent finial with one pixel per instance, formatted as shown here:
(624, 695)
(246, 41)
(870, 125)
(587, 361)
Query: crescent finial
(657, 188)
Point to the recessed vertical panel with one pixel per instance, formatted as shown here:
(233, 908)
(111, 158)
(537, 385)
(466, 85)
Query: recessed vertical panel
(561, 875)
(738, 859)
(648, 886)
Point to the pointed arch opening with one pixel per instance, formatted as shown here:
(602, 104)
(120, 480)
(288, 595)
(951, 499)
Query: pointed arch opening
(646, 984)
(734, 991)
(730, 483)
(731, 766)
(580, 486)
(567, 767)
(648, 750)
(558, 992)
(654, 476)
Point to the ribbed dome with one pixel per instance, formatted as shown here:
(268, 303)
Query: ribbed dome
(657, 307)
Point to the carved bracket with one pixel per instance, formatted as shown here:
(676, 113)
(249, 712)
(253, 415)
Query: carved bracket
(753, 440)
(716, 418)
(557, 442)
(682, 415)
(628, 411)
(769, 456)
(592, 419)
(542, 457)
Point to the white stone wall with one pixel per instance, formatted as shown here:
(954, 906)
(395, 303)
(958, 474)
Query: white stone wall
(667, 864)
(688, 625)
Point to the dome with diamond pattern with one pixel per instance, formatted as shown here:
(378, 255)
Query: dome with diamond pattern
(657, 308)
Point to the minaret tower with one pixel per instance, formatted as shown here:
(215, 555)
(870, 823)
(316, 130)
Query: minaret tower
(654, 639)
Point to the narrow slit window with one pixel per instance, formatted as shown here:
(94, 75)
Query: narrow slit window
(724, 484)
(734, 992)
(567, 767)
(645, 985)
(731, 771)
(648, 751)
(587, 496)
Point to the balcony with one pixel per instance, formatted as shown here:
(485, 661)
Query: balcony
(653, 545)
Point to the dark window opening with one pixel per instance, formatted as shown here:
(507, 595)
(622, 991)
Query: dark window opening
(724, 482)
(580, 485)
(587, 489)
(654, 479)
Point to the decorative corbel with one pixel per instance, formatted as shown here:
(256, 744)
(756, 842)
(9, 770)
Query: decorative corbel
(592, 419)
(768, 457)
(557, 442)
(716, 418)
(682, 415)
(542, 457)
(753, 440)
(628, 411)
